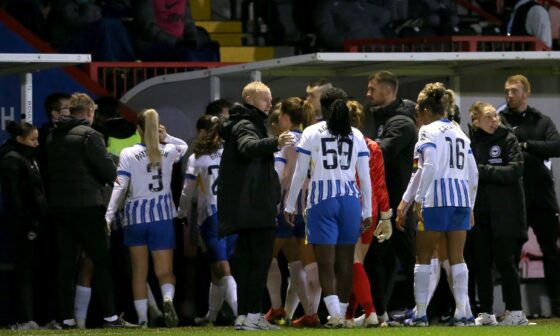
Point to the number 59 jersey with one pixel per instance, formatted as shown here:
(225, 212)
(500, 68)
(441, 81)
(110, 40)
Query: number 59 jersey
(333, 162)
(453, 180)
(149, 192)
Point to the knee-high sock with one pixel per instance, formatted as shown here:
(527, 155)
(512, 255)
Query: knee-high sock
(274, 284)
(215, 301)
(361, 287)
(333, 305)
(168, 291)
(298, 280)
(229, 289)
(141, 307)
(421, 283)
(81, 302)
(352, 305)
(434, 278)
(314, 286)
(460, 275)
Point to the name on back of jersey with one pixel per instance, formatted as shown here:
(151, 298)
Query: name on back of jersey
(144, 154)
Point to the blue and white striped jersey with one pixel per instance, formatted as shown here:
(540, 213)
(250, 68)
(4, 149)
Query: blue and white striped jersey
(202, 172)
(146, 187)
(449, 173)
(285, 165)
(334, 163)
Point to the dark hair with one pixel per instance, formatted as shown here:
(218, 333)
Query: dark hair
(211, 142)
(338, 122)
(299, 111)
(385, 77)
(215, 108)
(319, 82)
(329, 97)
(108, 107)
(52, 102)
(22, 129)
(433, 97)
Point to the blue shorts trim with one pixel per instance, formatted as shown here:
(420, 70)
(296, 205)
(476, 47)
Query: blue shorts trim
(159, 235)
(218, 249)
(335, 220)
(285, 231)
(446, 219)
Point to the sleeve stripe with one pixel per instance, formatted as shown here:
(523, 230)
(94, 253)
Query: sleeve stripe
(190, 176)
(123, 173)
(279, 159)
(304, 151)
(363, 154)
(427, 144)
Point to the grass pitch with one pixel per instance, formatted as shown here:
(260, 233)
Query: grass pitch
(548, 327)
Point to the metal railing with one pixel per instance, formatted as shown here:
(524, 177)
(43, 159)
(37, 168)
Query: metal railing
(119, 77)
(447, 44)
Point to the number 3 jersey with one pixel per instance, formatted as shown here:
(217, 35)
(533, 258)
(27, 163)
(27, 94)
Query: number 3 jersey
(333, 163)
(147, 188)
(202, 172)
(449, 173)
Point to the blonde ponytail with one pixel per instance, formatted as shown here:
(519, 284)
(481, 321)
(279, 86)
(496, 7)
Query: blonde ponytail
(148, 120)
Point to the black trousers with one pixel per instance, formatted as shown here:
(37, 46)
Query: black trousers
(545, 225)
(250, 264)
(503, 252)
(25, 267)
(85, 228)
(381, 268)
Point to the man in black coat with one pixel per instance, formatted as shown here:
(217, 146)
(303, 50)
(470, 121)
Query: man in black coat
(248, 195)
(78, 169)
(393, 127)
(539, 140)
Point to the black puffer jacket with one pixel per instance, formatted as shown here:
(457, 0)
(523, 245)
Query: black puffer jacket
(393, 127)
(543, 142)
(248, 186)
(79, 165)
(500, 198)
(22, 188)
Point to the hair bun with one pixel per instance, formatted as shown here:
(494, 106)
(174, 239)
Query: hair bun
(214, 119)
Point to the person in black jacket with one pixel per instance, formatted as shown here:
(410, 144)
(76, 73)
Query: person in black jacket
(501, 225)
(79, 167)
(393, 127)
(25, 203)
(539, 140)
(248, 195)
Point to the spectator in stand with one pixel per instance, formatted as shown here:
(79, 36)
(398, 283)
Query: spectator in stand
(501, 225)
(25, 203)
(337, 21)
(393, 127)
(164, 30)
(539, 141)
(77, 26)
(530, 18)
(439, 15)
(219, 108)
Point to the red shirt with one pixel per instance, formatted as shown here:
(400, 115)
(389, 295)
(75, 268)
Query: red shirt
(170, 16)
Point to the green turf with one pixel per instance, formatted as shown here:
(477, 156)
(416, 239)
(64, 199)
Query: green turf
(543, 327)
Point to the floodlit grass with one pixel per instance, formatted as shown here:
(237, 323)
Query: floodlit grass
(543, 327)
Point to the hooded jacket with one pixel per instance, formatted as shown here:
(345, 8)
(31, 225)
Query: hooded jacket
(393, 127)
(500, 198)
(22, 188)
(248, 186)
(543, 142)
(79, 165)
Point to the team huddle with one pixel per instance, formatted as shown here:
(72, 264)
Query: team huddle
(304, 178)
